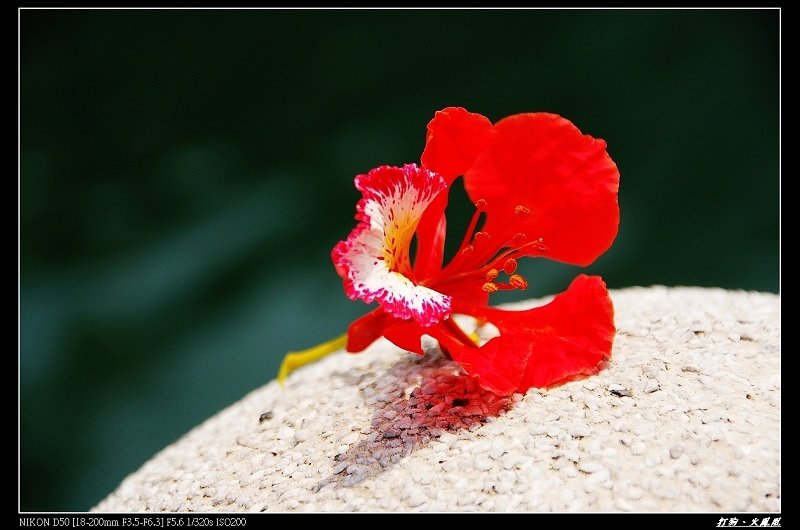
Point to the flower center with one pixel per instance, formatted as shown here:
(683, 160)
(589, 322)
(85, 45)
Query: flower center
(397, 244)
(484, 255)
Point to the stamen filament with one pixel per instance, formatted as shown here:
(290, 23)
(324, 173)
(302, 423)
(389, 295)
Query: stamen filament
(515, 252)
(466, 249)
(479, 209)
(485, 272)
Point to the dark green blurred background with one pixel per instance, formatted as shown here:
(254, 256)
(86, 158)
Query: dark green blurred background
(186, 173)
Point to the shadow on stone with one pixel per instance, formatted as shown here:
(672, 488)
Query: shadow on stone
(417, 401)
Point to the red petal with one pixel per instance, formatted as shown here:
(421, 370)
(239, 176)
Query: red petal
(366, 330)
(430, 239)
(465, 294)
(568, 338)
(567, 180)
(499, 369)
(407, 335)
(455, 138)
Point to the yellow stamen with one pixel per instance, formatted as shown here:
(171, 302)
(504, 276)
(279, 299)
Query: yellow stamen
(489, 287)
(518, 281)
(482, 237)
(295, 359)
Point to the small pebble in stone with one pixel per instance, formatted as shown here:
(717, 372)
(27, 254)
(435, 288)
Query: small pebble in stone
(285, 433)
(651, 386)
(676, 451)
(265, 416)
(652, 459)
(482, 463)
(512, 461)
(579, 431)
(569, 471)
(497, 449)
(301, 436)
(596, 480)
(590, 467)
(503, 486)
(638, 448)
(415, 500)
(619, 390)
(350, 439)
(354, 469)
(422, 477)
(622, 504)
(652, 370)
(592, 403)
(690, 368)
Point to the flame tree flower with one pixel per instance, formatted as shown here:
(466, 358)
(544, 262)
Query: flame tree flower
(540, 188)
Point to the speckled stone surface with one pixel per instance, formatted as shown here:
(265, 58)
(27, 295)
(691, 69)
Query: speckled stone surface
(686, 417)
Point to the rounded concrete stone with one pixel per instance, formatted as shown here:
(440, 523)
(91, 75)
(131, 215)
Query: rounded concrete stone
(685, 417)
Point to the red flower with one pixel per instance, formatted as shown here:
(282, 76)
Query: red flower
(544, 190)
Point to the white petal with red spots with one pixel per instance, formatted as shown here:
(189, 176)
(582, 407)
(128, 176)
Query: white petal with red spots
(374, 260)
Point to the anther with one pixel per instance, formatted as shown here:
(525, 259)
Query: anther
(481, 204)
(482, 237)
(522, 210)
(491, 275)
(518, 281)
(489, 287)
